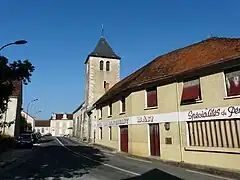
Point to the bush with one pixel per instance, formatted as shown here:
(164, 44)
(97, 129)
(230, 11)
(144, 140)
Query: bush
(6, 142)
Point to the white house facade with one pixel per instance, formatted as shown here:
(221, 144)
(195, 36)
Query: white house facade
(61, 124)
(11, 118)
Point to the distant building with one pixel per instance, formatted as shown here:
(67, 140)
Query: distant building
(61, 124)
(13, 113)
(42, 126)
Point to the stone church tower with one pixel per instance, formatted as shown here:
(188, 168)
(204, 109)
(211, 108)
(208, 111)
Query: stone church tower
(102, 71)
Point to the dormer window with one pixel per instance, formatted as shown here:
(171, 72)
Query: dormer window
(65, 116)
(54, 116)
(101, 65)
(107, 66)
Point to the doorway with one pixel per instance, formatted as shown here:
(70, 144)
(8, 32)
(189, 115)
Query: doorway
(124, 138)
(154, 139)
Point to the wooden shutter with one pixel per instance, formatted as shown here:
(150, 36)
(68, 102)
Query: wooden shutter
(233, 83)
(191, 91)
(152, 97)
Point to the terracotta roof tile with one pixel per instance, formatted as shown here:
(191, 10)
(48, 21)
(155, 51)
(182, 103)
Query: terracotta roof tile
(42, 123)
(196, 55)
(70, 116)
(59, 116)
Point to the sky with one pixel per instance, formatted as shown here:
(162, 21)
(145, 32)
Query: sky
(61, 34)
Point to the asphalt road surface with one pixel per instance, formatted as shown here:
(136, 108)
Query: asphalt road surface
(62, 158)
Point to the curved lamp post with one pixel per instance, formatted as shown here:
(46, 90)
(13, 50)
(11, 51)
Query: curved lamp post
(16, 42)
(28, 108)
(29, 104)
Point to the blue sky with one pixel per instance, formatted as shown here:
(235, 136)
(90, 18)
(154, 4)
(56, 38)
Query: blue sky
(61, 33)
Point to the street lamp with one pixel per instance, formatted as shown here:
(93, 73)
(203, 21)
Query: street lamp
(29, 105)
(16, 42)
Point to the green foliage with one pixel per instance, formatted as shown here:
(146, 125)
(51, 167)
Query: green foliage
(10, 72)
(24, 126)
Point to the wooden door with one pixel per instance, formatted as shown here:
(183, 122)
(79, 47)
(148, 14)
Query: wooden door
(154, 139)
(124, 138)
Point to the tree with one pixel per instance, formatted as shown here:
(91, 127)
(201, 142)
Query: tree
(24, 126)
(9, 73)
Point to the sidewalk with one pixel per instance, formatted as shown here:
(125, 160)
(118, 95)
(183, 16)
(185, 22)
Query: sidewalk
(12, 155)
(205, 169)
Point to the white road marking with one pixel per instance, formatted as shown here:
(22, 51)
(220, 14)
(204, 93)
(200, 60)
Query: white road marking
(108, 154)
(206, 174)
(138, 159)
(108, 165)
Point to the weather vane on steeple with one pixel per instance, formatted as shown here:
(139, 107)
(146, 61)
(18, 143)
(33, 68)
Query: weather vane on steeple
(102, 31)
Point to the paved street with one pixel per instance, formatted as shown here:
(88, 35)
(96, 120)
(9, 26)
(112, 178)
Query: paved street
(65, 159)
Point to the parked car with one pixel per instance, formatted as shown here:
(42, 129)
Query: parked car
(48, 134)
(35, 138)
(24, 141)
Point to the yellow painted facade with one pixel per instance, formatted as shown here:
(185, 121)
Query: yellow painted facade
(213, 91)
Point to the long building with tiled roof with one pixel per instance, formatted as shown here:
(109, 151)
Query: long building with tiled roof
(182, 106)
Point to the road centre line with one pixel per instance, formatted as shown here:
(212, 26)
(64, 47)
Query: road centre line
(138, 159)
(105, 164)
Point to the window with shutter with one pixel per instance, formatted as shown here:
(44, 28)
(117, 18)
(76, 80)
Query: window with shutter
(100, 113)
(123, 104)
(100, 132)
(191, 91)
(106, 86)
(232, 78)
(152, 97)
(110, 109)
(110, 132)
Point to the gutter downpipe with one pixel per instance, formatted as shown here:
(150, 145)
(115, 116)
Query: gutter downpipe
(179, 123)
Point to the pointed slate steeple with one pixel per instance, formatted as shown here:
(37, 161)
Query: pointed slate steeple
(103, 49)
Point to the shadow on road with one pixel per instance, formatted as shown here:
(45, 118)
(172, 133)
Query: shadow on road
(55, 163)
(45, 140)
(154, 174)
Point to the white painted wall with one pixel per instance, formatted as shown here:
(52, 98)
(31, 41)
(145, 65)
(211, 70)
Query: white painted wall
(43, 130)
(29, 118)
(60, 127)
(10, 115)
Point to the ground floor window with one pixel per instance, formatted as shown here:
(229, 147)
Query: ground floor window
(110, 132)
(100, 133)
(215, 133)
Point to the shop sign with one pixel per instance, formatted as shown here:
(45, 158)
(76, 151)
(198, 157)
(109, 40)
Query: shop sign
(123, 121)
(215, 113)
(145, 119)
